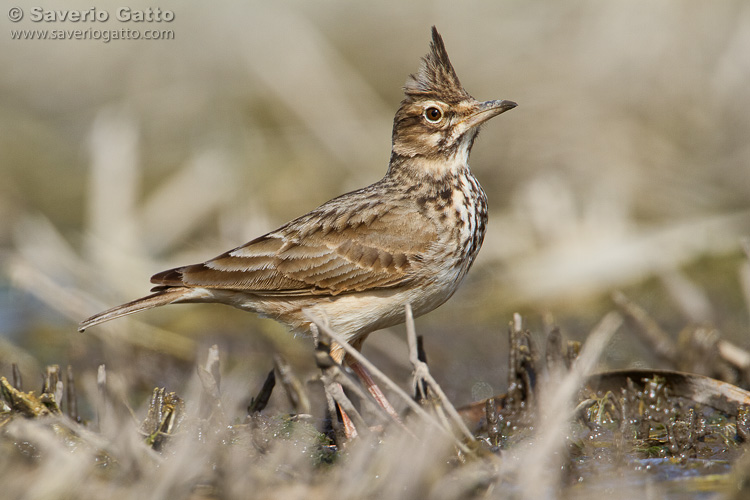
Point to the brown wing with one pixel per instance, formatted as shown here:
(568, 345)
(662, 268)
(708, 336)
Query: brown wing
(334, 249)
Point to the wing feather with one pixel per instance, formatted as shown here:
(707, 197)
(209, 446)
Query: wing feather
(333, 249)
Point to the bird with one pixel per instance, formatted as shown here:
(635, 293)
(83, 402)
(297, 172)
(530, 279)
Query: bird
(358, 259)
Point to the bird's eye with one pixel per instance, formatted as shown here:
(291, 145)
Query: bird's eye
(433, 114)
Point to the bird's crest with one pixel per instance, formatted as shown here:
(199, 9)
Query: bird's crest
(436, 77)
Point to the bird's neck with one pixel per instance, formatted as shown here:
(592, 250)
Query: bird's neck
(432, 168)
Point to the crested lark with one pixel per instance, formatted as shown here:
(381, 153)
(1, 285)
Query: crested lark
(359, 258)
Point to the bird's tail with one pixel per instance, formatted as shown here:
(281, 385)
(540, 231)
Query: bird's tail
(162, 297)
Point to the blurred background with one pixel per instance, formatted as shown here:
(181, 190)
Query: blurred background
(626, 166)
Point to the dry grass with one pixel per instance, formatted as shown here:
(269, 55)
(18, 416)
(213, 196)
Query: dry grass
(199, 448)
(539, 445)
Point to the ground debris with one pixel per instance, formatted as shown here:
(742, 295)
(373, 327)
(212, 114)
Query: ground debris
(28, 404)
(658, 422)
(165, 413)
(669, 423)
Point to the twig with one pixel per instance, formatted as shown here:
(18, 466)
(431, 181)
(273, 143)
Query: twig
(734, 355)
(209, 383)
(522, 359)
(554, 354)
(71, 398)
(101, 383)
(259, 402)
(494, 427)
(649, 329)
(421, 391)
(210, 377)
(213, 365)
(17, 379)
(59, 391)
(51, 376)
(292, 385)
(572, 353)
(422, 373)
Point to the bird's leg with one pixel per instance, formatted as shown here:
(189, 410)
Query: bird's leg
(338, 355)
(368, 382)
(371, 386)
(350, 431)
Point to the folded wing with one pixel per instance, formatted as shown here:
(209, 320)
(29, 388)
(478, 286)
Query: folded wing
(328, 251)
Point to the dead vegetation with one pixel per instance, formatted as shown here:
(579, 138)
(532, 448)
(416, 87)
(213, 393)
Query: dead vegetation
(557, 431)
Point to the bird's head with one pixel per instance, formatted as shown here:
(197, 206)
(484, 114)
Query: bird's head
(438, 120)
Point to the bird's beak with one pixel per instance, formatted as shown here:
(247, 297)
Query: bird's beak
(486, 110)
